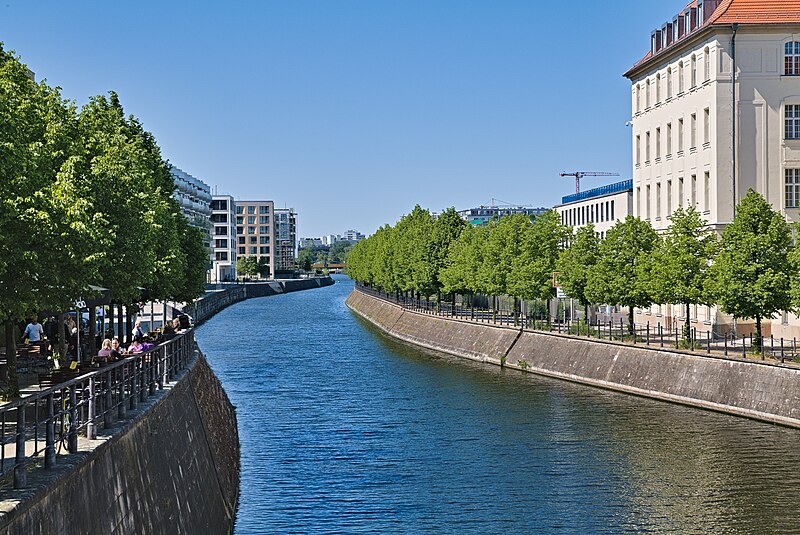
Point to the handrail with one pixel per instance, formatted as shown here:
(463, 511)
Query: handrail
(97, 397)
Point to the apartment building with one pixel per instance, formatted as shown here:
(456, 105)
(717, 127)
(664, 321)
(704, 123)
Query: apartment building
(483, 214)
(255, 232)
(285, 240)
(223, 251)
(716, 111)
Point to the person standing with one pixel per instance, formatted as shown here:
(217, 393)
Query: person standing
(33, 332)
(138, 333)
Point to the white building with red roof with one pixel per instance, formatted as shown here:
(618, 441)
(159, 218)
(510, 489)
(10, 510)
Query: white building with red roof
(702, 136)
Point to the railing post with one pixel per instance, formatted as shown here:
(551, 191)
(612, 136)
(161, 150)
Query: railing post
(91, 434)
(142, 378)
(50, 435)
(164, 372)
(744, 349)
(72, 437)
(726, 344)
(121, 401)
(20, 475)
(132, 378)
(783, 357)
(108, 419)
(648, 333)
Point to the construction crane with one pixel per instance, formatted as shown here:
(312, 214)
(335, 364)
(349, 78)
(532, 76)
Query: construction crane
(579, 174)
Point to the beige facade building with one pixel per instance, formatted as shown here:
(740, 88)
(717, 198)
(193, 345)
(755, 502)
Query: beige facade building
(716, 111)
(255, 232)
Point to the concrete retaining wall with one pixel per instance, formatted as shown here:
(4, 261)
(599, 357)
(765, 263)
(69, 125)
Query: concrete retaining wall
(172, 470)
(747, 388)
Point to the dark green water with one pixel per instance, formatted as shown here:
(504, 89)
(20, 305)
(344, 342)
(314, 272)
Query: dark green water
(346, 431)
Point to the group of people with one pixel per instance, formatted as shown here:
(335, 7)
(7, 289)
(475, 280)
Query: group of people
(111, 349)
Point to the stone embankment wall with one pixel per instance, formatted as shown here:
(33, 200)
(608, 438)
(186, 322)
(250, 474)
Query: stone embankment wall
(748, 388)
(173, 470)
(206, 307)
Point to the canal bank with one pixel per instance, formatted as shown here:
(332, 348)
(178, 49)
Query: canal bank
(744, 388)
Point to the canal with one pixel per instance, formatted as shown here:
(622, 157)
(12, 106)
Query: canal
(345, 431)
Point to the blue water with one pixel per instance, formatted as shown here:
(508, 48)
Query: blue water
(346, 431)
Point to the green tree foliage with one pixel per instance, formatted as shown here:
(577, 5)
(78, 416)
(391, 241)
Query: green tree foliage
(615, 279)
(576, 263)
(751, 276)
(502, 246)
(196, 262)
(461, 271)
(532, 268)
(678, 269)
(247, 266)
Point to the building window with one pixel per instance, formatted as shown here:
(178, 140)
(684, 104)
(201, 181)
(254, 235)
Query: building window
(242, 250)
(669, 139)
(706, 125)
(658, 200)
(263, 220)
(241, 240)
(612, 210)
(647, 201)
(239, 220)
(638, 149)
(694, 70)
(793, 188)
(791, 62)
(647, 147)
(639, 202)
(221, 231)
(658, 88)
(680, 191)
(219, 218)
(263, 209)
(219, 205)
(680, 135)
(251, 230)
(707, 64)
(240, 209)
(647, 94)
(680, 77)
(263, 250)
(694, 190)
(221, 244)
(252, 240)
(239, 230)
(669, 197)
(669, 82)
(263, 230)
(793, 121)
(251, 209)
(707, 191)
(693, 131)
(658, 143)
(263, 239)
(221, 255)
(251, 220)
(638, 98)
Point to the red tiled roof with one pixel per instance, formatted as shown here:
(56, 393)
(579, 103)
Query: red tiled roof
(742, 12)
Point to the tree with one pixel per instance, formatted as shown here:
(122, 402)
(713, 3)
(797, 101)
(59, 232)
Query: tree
(247, 266)
(47, 243)
(751, 277)
(679, 266)
(576, 263)
(460, 272)
(532, 268)
(196, 260)
(615, 279)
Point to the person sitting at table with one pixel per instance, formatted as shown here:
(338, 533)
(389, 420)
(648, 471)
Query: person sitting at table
(115, 345)
(107, 353)
(134, 347)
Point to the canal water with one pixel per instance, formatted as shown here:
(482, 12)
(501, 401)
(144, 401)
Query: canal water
(346, 431)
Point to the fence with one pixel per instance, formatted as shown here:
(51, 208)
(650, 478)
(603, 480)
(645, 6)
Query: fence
(726, 345)
(58, 414)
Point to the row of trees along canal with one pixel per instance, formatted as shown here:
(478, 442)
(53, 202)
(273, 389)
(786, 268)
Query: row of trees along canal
(86, 199)
(750, 271)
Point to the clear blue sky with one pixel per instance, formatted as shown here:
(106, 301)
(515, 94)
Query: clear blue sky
(353, 111)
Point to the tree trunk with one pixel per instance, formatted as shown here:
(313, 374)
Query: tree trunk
(687, 329)
(129, 323)
(11, 360)
(120, 324)
(757, 342)
(111, 320)
(62, 335)
(586, 313)
(92, 331)
(631, 326)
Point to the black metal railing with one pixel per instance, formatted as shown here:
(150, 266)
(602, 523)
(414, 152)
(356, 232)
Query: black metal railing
(618, 331)
(37, 428)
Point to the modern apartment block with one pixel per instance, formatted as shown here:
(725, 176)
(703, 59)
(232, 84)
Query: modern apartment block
(285, 239)
(223, 253)
(194, 197)
(602, 206)
(255, 232)
(483, 214)
(716, 111)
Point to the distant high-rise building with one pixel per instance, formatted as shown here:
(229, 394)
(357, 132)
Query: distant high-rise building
(255, 232)
(285, 239)
(223, 253)
(194, 197)
(352, 236)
